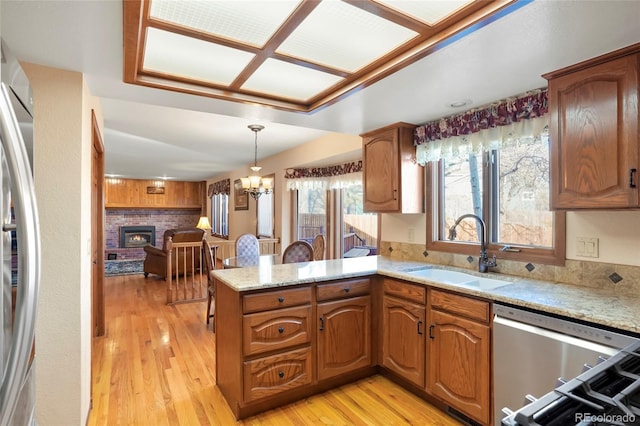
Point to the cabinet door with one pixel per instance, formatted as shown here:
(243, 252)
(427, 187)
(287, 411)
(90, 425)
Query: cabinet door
(594, 136)
(277, 329)
(344, 336)
(458, 364)
(277, 373)
(381, 172)
(403, 344)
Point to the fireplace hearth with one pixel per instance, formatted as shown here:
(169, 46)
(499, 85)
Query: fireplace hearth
(137, 236)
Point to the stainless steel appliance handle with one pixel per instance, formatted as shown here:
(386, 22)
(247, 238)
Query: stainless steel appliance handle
(565, 338)
(28, 237)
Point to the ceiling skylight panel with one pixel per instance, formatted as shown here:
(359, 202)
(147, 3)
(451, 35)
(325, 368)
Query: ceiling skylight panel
(182, 56)
(288, 80)
(429, 12)
(252, 22)
(342, 36)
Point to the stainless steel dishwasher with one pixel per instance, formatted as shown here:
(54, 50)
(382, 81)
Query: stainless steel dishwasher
(531, 351)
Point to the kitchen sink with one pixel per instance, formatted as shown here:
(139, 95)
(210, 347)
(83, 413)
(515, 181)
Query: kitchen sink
(462, 279)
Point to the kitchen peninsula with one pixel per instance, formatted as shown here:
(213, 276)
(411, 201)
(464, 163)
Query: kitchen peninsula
(285, 332)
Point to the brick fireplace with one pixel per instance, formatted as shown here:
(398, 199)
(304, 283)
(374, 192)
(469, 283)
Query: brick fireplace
(160, 219)
(137, 236)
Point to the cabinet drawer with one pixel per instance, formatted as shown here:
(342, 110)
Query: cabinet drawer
(277, 373)
(406, 291)
(275, 299)
(470, 308)
(271, 330)
(343, 289)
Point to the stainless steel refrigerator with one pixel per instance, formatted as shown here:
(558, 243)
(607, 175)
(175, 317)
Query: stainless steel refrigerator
(19, 248)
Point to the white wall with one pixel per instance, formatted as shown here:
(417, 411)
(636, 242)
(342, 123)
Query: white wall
(331, 149)
(62, 175)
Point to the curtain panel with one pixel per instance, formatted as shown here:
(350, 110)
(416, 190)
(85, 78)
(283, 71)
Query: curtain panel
(331, 177)
(520, 119)
(219, 187)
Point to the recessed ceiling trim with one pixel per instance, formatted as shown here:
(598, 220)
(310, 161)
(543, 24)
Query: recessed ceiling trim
(136, 12)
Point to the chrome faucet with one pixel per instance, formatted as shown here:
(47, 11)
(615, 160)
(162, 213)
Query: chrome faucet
(484, 263)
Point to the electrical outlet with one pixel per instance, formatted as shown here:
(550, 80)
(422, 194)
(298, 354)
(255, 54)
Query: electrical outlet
(587, 247)
(411, 234)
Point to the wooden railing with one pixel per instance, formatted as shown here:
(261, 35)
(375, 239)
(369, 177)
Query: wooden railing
(227, 248)
(188, 283)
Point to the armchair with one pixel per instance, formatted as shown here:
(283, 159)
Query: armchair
(155, 261)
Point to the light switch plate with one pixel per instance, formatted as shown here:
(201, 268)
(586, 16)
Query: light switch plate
(587, 247)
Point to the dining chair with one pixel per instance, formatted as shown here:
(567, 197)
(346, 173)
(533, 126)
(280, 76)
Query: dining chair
(318, 247)
(298, 251)
(247, 245)
(209, 265)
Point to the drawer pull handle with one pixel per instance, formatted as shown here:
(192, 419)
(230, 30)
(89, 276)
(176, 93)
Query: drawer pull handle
(280, 299)
(321, 323)
(346, 289)
(420, 327)
(632, 173)
(281, 330)
(281, 374)
(431, 327)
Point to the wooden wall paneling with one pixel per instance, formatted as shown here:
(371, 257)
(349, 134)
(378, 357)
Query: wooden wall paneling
(133, 193)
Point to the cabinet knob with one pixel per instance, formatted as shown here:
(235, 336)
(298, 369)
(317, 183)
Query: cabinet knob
(281, 374)
(280, 299)
(346, 289)
(280, 330)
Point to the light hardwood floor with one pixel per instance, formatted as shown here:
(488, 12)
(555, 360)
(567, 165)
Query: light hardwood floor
(156, 366)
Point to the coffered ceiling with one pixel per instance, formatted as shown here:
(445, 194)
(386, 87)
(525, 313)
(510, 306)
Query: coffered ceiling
(296, 55)
(153, 133)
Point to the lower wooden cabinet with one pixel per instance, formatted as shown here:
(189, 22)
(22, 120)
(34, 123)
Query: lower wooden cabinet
(344, 336)
(279, 345)
(459, 357)
(277, 373)
(403, 341)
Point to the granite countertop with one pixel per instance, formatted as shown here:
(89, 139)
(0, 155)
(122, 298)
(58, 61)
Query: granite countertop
(600, 306)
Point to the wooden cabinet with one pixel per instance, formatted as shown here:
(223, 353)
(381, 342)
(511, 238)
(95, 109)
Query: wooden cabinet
(344, 328)
(403, 329)
(459, 356)
(279, 345)
(593, 127)
(393, 181)
(151, 194)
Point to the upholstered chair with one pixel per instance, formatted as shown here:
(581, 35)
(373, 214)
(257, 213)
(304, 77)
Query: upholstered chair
(318, 245)
(209, 266)
(298, 251)
(155, 261)
(247, 245)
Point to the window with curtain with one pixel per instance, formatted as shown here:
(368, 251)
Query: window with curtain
(266, 213)
(333, 192)
(219, 194)
(494, 163)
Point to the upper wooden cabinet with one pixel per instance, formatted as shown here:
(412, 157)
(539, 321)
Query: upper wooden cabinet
(138, 193)
(393, 181)
(593, 126)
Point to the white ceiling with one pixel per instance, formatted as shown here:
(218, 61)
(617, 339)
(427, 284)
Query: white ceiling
(194, 138)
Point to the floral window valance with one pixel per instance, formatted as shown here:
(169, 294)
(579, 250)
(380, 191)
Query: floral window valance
(219, 187)
(483, 129)
(331, 177)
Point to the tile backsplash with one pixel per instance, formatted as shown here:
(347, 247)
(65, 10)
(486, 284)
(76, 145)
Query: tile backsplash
(624, 278)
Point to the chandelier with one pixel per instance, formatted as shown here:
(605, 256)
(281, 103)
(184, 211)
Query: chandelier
(254, 184)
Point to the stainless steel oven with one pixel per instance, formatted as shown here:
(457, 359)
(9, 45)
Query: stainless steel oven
(533, 351)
